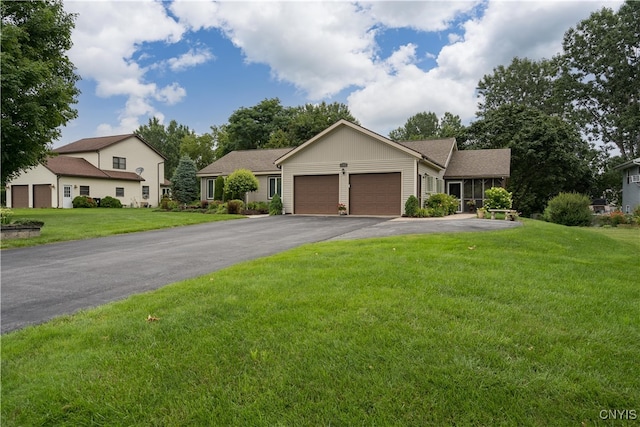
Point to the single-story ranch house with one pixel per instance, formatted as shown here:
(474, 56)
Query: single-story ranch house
(368, 173)
(122, 166)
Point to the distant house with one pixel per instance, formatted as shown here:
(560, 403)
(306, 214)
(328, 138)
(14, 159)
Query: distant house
(370, 174)
(630, 184)
(122, 166)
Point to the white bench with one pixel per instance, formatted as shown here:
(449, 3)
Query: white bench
(509, 214)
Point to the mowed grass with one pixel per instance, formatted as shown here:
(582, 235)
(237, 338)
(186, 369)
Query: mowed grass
(537, 325)
(76, 224)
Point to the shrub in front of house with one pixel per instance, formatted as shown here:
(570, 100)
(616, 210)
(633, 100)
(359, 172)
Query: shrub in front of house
(442, 204)
(497, 198)
(110, 202)
(275, 207)
(570, 209)
(84, 202)
(218, 189)
(235, 207)
(411, 206)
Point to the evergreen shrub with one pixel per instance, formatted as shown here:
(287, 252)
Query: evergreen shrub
(275, 207)
(570, 209)
(411, 206)
(83, 202)
(110, 202)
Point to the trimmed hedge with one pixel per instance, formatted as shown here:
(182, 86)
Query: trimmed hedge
(570, 209)
(110, 202)
(84, 202)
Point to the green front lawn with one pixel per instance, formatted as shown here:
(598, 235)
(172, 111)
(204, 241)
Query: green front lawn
(537, 325)
(75, 224)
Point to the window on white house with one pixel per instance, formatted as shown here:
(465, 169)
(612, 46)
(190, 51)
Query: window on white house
(431, 184)
(119, 163)
(145, 191)
(67, 191)
(84, 190)
(275, 186)
(211, 185)
(119, 191)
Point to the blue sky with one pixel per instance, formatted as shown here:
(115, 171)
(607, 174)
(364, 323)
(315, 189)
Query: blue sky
(197, 61)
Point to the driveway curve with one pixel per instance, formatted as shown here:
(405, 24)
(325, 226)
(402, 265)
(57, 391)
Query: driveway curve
(43, 282)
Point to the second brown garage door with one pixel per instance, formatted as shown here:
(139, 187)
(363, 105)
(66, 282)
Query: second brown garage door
(315, 194)
(42, 196)
(375, 194)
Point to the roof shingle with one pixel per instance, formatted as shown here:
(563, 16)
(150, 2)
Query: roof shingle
(75, 166)
(257, 161)
(437, 150)
(490, 163)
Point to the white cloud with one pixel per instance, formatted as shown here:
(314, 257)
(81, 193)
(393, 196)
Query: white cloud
(419, 15)
(190, 59)
(106, 37)
(505, 30)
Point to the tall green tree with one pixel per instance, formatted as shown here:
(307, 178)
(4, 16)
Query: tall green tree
(166, 140)
(524, 82)
(200, 148)
(252, 127)
(184, 183)
(548, 156)
(602, 69)
(38, 81)
(426, 125)
(308, 120)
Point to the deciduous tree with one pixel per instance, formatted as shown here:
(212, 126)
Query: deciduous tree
(547, 154)
(38, 81)
(602, 68)
(426, 125)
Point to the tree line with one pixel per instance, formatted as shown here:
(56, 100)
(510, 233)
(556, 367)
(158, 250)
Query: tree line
(549, 112)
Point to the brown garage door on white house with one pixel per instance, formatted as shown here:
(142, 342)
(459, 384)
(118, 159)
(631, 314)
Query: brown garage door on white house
(42, 195)
(375, 194)
(315, 194)
(19, 196)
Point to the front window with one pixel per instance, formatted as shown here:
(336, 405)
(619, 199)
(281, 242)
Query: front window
(275, 186)
(210, 188)
(119, 191)
(119, 163)
(145, 191)
(84, 190)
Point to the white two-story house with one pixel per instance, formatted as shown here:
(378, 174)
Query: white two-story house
(121, 166)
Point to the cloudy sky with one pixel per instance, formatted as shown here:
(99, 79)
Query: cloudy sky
(197, 61)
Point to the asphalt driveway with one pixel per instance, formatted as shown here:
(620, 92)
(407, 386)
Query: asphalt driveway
(42, 282)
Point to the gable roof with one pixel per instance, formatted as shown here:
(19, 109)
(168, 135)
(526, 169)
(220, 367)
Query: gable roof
(96, 144)
(346, 123)
(76, 166)
(490, 163)
(437, 150)
(257, 161)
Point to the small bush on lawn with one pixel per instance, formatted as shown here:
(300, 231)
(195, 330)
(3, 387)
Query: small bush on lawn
(411, 206)
(222, 209)
(497, 198)
(275, 207)
(6, 215)
(442, 204)
(84, 202)
(570, 209)
(235, 206)
(110, 202)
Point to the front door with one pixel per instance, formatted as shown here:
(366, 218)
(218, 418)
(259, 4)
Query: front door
(67, 197)
(454, 188)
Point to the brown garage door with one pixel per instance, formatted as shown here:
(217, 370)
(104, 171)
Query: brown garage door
(19, 196)
(375, 194)
(42, 196)
(315, 194)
